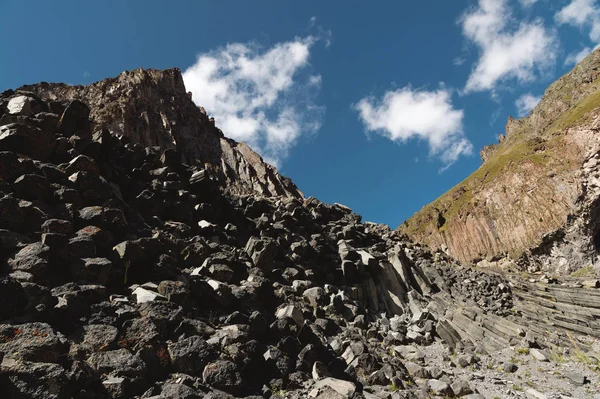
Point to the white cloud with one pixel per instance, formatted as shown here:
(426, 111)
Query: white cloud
(507, 52)
(582, 14)
(526, 103)
(259, 96)
(428, 115)
(527, 3)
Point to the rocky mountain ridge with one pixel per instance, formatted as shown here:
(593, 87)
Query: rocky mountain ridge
(535, 197)
(130, 270)
(152, 108)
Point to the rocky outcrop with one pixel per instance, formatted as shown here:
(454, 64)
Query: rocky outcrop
(152, 108)
(535, 193)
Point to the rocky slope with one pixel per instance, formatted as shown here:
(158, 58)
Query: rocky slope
(152, 108)
(131, 270)
(537, 189)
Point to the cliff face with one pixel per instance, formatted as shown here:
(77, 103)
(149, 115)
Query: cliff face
(536, 191)
(152, 108)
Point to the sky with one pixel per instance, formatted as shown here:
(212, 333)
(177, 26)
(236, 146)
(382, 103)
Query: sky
(381, 107)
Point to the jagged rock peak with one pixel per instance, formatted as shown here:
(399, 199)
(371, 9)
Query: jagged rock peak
(152, 108)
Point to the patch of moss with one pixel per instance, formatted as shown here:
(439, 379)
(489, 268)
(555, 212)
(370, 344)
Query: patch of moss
(587, 271)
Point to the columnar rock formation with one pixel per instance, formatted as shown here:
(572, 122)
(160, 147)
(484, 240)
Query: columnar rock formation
(145, 255)
(536, 191)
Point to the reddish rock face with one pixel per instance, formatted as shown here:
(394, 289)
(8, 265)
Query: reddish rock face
(152, 108)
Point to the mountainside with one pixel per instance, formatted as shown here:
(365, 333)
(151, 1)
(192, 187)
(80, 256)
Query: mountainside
(143, 255)
(536, 192)
(152, 108)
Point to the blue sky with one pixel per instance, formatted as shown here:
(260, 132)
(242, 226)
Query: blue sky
(382, 107)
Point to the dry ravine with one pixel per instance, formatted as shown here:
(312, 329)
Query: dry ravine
(144, 255)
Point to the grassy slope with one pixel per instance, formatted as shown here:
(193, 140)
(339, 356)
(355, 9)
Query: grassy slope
(536, 139)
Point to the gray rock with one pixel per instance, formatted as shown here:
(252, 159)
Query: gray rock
(417, 371)
(223, 375)
(20, 105)
(540, 355)
(94, 338)
(292, 312)
(33, 380)
(179, 391)
(509, 367)
(461, 387)
(316, 296)
(191, 355)
(533, 394)
(120, 361)
(12, 297)
(577, 379)
(344, 388)
(439, 387)
(36, 342)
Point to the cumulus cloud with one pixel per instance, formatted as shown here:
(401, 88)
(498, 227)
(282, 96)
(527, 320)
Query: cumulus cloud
(507, 50)
(582, 14)
(526, 103)
(264, 97)
(428, 115)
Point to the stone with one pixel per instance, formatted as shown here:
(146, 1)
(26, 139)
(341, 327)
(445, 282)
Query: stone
(191, 355)
(533, 394)
(319, 371)
(143, 295)
(11, 167)
(58, 226)
(175, 291)
(262, 252)
(74, 119)
(93, 270)
(316, 296)
(576, 378)
(509, 367)
(120, 361)
(95, 338)
(20, 105)
(292, 312)
(26, 140)
(33, 259)
(417, 371)
(439, 387)
(31, 187)
(35, 342)
(82, 163)
(344, 388)
(223, 375)
(461, 387)
(12, 297)
(33, 380)
(539, 354)
(179, 391)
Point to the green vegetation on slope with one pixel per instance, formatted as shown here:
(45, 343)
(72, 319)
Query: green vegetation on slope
(519, 150)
